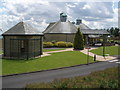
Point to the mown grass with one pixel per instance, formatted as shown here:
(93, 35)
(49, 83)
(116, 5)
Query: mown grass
(55, 60)
(0, 66)
(1, 52)
(47, 50)
(111, 50)
(100, 79)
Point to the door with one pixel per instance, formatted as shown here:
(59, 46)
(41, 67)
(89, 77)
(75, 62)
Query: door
(24, 48)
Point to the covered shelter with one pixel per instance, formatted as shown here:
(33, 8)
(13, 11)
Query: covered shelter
(22, 41)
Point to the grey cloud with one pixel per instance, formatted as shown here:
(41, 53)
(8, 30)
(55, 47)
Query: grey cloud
(50, 13)
(93, 11)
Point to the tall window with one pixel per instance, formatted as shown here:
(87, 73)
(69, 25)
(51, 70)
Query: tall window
(22, 43)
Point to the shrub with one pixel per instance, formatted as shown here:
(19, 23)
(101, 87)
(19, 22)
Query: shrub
(69, 44)
(78, 41)
(54, 41)
(47, 44)
(61, 44)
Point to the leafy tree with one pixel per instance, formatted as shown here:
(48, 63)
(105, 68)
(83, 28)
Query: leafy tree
(114, 31)
(78, 40)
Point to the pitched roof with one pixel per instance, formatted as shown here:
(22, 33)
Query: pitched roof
(68, 27)
(22, 28)
(61, 27)
(51, 24)
(94, 32)
(82, 26)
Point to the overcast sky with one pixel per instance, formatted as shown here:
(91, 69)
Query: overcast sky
(40, 13)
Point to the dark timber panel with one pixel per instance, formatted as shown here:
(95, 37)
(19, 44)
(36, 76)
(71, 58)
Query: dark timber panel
(25, 48)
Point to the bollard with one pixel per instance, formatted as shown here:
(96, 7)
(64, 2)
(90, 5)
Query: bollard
(94, 57)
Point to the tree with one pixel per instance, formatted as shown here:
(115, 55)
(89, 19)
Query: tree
(111, 31)
(114, 32)
(78, 40)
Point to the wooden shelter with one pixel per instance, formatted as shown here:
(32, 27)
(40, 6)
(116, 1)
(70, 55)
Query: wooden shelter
(22, 41)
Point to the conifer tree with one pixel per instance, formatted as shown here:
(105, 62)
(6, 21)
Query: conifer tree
(78, 40)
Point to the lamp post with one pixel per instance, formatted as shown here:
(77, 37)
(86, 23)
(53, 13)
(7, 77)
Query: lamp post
(103, 50)
(104, 46)
(88, 52)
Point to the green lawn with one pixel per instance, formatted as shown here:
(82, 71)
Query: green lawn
(111, 50)
(1, 52)
(47, 50)
(0, 66)
(56, 60)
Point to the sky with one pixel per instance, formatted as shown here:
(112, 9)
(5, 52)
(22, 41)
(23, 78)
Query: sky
(39, 13)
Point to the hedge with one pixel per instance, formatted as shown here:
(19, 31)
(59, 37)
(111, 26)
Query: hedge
(60, 44)
(47, 44)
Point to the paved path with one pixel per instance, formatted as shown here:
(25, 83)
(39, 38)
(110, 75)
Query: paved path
(98, 57)
(48, 53)
(19, 81)
(85, 51)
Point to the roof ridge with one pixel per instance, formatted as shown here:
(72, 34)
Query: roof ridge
(53, 25)
(23, 24)
(48, 27)
(86, 25)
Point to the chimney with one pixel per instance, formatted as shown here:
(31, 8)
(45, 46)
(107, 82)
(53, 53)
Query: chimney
(63, 17)
(78, 21)
(73, 22)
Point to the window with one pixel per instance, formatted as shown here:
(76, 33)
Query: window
(22, 43)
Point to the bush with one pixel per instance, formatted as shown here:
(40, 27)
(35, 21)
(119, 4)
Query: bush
(78, 41)
(54, 41)
(61, 44)
(69, 44)
(47, 44)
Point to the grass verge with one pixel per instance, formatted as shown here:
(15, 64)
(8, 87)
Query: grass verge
(100, 79)
(55, 60)
(111, 50)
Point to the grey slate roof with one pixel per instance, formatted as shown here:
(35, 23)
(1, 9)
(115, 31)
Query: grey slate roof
(22, 28)
(68, 27)
(94, 32)
(50, 25)
(61, 27)
(82, 26)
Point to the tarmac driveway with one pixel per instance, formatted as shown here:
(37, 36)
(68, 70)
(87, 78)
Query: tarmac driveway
(19, 81)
